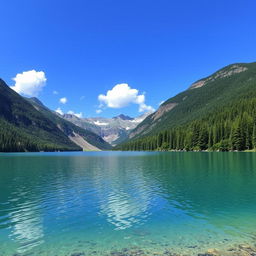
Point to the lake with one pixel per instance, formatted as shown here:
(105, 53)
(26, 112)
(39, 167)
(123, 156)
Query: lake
(126, 203)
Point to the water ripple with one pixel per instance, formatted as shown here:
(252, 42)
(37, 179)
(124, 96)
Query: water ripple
(49, 202)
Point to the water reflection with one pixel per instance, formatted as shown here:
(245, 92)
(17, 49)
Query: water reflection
(99, 195)
(122, 192)
(26, 226)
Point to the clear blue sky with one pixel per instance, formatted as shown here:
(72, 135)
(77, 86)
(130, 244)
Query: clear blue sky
(158, 47)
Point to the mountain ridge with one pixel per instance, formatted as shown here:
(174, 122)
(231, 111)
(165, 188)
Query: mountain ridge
(114, 130)
(173, 102)
(24, 128)
(229, 85)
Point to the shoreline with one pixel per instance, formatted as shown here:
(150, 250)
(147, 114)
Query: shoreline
(171, 150)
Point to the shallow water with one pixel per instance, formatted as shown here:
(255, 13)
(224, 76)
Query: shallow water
(110, 202)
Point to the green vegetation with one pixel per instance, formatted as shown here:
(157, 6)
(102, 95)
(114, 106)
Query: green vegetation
(15, 139)
(221, 115)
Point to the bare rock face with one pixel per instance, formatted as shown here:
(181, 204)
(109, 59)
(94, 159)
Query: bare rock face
(163, 109)
(85, 145)
(138, 131)
(198, 84)
(235, 69)
(146, 128)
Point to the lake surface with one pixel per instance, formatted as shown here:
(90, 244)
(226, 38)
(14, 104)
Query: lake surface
(149, 203)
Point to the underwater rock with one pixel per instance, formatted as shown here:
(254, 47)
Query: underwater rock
(210, 252)
(127, 252)
(169, 253)
(192, 246)
(78, 254)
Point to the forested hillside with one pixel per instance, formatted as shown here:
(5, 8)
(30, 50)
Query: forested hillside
(215, 113)
(24, 128)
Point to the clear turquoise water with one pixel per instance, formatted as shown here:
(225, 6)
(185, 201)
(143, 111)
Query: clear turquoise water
(97, 203)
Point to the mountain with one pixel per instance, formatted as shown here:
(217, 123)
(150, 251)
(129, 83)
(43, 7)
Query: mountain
(86, 139)
(216, 112)
(24, 128)
(123, 117)
(113, 130)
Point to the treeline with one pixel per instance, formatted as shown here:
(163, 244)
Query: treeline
(230, 128)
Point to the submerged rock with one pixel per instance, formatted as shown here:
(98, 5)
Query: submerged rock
(78, 254)
(127, 252)
(246, 249)
(210, 252)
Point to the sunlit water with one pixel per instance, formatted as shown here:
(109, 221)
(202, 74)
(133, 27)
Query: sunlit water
(103, 202)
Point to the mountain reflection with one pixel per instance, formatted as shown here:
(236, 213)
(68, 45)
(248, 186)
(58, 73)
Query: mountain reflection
(26, 226)
(125, 196)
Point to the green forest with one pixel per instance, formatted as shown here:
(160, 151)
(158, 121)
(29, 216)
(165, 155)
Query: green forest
(232, 127)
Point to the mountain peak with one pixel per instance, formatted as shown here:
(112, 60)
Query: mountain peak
(123, 117)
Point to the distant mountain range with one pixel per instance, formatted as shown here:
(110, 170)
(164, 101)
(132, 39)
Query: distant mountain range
(215, 113)
(113, 130)
(27, 125)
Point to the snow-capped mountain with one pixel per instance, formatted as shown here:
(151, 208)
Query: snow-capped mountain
(113, 130)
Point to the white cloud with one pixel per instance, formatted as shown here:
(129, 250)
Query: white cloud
(98, 111)
(58, 110)
(29, 83)
(79, 115)
(122, 95)
(63, 100)
(143, 107)
(55, 92)
(161, 102)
